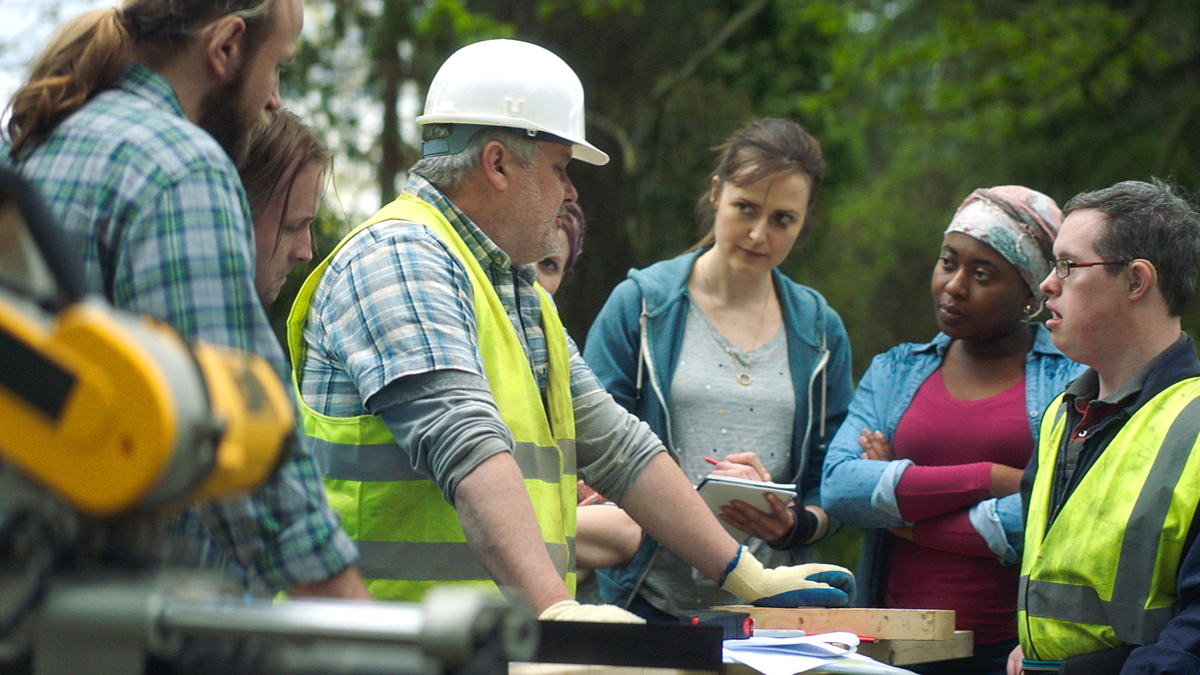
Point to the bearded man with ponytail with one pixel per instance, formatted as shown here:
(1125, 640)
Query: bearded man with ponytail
(129, 124)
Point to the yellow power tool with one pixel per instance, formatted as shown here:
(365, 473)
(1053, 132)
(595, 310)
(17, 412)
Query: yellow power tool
(111, 411)
(107, 420)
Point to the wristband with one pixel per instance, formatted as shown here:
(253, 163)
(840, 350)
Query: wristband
(804, 525)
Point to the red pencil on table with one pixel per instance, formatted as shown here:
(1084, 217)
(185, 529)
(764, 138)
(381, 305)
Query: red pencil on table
(712, 460)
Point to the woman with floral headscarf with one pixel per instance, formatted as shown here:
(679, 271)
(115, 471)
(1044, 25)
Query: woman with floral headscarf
(931, 453)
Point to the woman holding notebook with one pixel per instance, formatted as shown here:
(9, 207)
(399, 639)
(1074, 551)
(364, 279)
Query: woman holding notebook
(725, 357)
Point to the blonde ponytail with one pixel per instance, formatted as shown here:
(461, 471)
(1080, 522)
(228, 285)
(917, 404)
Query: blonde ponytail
(88, 53)
(83, 58)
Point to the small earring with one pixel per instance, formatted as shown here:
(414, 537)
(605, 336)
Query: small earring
(1030, 312)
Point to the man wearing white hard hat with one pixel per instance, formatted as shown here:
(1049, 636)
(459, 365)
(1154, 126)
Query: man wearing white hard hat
(449, 411)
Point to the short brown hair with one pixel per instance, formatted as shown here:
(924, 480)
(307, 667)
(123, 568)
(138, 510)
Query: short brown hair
(1148, 221)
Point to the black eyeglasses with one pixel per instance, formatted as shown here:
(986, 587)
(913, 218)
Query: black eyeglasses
(1063, 267)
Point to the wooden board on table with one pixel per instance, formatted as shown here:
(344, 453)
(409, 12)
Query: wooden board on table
(906, 652)
(523, 668)
(892, 652)
(890, 624)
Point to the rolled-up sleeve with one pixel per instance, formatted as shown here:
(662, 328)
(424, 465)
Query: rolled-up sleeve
(446, 421)
(856, 491)
(392, 332)
(613, 445)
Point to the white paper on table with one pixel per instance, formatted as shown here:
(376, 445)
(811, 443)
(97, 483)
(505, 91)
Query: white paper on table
(864, 665)
(790, 655)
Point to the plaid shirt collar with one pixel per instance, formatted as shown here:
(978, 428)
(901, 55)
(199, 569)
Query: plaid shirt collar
(146, 83)
(483, 248)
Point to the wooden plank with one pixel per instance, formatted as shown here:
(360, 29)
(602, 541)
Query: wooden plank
(892, 624)
(522, 668)
(906, 652)
(892, 652)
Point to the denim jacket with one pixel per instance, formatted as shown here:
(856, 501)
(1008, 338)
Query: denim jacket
(862, 492)
(638, 373)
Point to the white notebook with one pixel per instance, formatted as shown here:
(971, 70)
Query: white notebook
(717, 491)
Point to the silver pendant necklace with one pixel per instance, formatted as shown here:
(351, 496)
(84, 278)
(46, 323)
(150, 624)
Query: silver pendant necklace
(743, 377)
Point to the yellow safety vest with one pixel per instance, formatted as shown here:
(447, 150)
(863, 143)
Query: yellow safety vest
(1104, 574)
(409, 537)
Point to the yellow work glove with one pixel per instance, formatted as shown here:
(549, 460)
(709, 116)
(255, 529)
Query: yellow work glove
(570, 610)
(811, 585)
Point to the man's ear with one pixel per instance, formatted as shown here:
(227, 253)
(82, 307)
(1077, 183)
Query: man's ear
(1142, 277)
(225, 46)
(496, 163)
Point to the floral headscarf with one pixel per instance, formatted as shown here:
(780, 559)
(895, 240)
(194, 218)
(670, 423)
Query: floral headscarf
(1019, 223)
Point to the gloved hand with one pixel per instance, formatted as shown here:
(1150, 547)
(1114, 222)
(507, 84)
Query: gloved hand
(570, 610)
(811, 585)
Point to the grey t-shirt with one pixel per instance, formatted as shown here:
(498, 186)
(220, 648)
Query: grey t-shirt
(712, 414)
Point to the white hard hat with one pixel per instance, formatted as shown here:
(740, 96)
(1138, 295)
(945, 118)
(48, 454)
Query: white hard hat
(509, 83)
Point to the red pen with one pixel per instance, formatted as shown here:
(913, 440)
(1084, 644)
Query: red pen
(712, 461)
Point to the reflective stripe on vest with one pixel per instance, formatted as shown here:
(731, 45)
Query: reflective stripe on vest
(423, 560)
(1104, 574)
(381, 462)
(408, 535)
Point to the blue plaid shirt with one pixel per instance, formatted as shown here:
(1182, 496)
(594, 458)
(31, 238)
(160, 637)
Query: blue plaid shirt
(395, 301)
(155, 209)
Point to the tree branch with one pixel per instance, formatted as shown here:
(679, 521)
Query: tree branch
(630, 157)
(1174, 139)
(629, 152)
(1119, 45)
(735, 22)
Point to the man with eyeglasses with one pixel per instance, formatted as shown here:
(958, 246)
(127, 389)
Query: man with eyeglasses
(1110, 579)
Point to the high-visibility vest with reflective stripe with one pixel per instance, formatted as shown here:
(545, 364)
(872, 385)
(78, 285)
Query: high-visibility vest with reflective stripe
(408, 535)
(1104, 574)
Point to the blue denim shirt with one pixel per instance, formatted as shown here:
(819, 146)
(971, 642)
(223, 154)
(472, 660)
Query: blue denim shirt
(861, 492)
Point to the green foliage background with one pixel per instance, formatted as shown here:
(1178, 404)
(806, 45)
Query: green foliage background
(916, 102)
